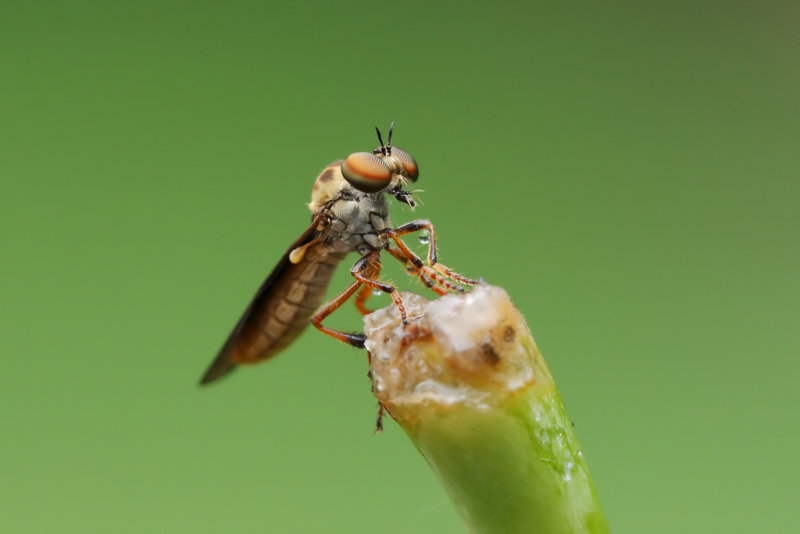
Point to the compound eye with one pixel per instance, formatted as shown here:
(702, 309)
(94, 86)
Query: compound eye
(408, 162)
(366, 172)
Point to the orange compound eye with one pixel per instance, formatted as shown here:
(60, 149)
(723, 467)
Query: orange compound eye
(366, 172)
(408, 162)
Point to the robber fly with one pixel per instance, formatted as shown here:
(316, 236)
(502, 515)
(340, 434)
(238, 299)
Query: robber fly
(350, 213)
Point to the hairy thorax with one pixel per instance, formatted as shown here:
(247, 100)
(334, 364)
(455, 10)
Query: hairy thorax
(356, 222)
(354, 219)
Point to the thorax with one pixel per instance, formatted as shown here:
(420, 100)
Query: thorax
(355, 222)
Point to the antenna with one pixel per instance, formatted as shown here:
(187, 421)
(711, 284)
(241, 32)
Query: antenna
(379, 137)
(389, 143)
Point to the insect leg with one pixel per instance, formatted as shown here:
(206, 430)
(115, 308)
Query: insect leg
(422, 224)
(415, 226)
(373, 258)
(425, 273)
(373, 271)
(370, 264)
(434, 284)
(379, 420)
(357, 340)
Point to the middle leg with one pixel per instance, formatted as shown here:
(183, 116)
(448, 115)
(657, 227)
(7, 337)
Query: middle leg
(369, 264)
(363, 271)
(372, 271)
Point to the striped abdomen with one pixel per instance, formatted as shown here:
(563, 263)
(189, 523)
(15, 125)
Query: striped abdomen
(285, 313)
(281, 309)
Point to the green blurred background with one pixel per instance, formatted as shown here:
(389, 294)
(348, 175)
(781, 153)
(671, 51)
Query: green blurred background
(629, 172)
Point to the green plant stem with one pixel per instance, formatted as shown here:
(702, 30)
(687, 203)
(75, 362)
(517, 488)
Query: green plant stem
(467, 383)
